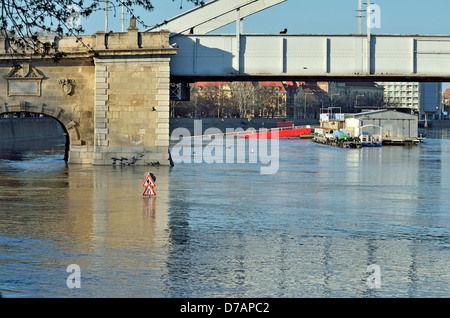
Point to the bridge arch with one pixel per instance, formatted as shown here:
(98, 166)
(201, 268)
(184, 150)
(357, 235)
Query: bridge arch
(120, 98)
(69, 126)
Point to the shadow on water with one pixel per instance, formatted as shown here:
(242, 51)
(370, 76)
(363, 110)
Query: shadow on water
(225, 230)
(30, 137)
(31, 149)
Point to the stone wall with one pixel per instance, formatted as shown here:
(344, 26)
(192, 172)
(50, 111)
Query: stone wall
(73, 110)
(110, 92)
(132, 109)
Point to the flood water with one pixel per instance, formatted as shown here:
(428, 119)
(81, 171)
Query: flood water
(226, 230)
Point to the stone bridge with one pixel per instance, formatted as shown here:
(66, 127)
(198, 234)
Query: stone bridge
(110, 93)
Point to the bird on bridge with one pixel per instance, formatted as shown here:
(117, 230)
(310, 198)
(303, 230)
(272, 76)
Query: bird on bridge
(284, 31)
(121, 159)
(134, 159)
(114, 159)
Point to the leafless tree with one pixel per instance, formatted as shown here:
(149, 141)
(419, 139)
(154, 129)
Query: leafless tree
(244, 95)
(22, 22)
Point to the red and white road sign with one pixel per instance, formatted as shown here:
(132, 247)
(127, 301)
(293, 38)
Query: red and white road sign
(149, 192)
(149, 182)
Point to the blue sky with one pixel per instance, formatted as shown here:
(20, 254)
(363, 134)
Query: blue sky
(306, 16)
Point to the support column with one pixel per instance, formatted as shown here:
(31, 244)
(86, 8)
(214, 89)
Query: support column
(132, 99)
(163, 108)
(369, 39)
(132, 111)
(101, 120)
(237, 66)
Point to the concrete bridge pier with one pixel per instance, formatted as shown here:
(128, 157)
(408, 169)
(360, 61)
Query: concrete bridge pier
(131, 116)
(132, 99)
(110, 93)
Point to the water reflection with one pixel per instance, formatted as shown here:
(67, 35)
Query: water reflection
(225, 230)
(95, 217)
(328, 213)
(126, 230)
(443, 133)
(32, 149)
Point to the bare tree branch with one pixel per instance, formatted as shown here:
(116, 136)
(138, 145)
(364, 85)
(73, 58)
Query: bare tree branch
(24, 22)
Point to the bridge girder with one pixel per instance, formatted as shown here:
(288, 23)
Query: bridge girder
(213, 15)
(311, 57)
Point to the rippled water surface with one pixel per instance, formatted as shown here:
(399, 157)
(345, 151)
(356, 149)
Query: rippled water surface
(226, 230)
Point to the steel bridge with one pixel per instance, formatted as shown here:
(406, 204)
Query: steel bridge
(315, 57)
(203, 56)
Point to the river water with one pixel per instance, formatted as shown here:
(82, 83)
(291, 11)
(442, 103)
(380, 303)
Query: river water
(225, 230)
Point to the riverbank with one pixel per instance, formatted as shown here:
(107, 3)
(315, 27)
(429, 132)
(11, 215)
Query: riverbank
(233, 123)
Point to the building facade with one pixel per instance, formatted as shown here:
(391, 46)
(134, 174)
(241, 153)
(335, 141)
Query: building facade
(422, 99)
(430, 101)
(402, 96)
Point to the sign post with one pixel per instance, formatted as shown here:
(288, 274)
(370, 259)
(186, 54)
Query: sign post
(149, 184)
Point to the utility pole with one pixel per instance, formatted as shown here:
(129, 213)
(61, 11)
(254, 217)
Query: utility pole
(369, 17)
(369, 36)
(106, 16)
(238, 39)
(360, 16)
(123, 17)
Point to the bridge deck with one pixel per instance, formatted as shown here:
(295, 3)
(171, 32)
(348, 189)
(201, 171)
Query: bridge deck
(319, 57)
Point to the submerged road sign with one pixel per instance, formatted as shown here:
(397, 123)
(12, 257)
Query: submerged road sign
(150, 181)
(149, 184)
(149, 192)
